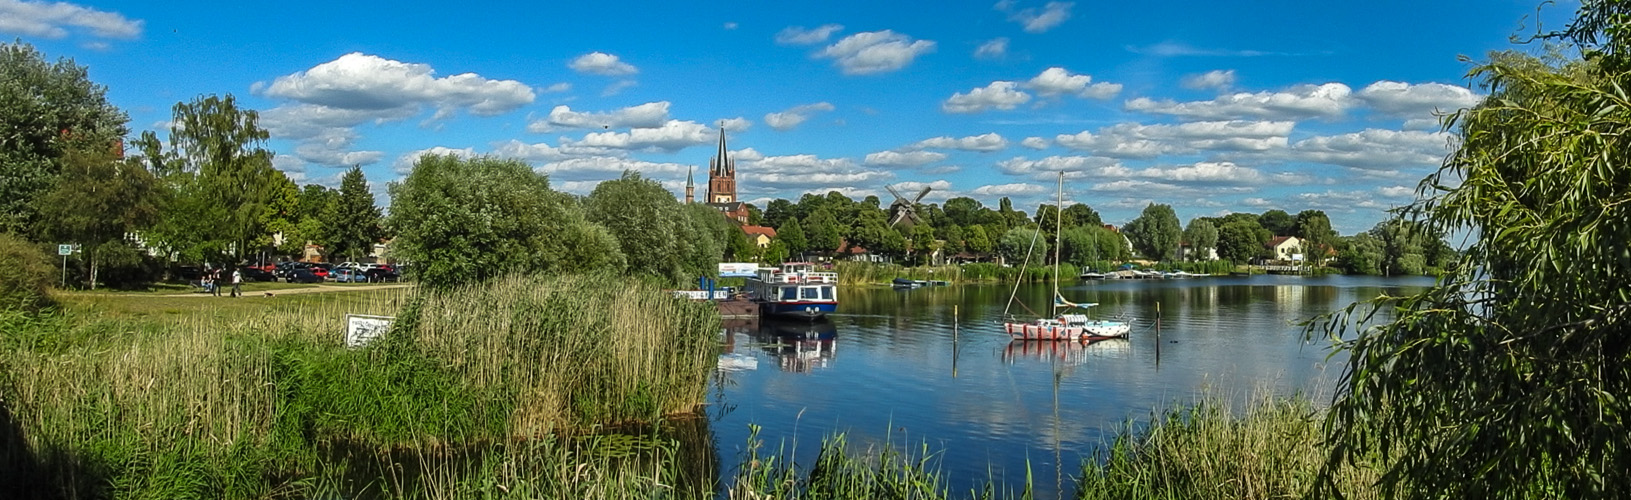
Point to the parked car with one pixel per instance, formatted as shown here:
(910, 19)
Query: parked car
(303, 276)
(347, 275)
(321, 270)
(251, 273)
(381, 274)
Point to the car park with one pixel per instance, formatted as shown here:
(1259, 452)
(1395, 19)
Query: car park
(251, 273)
(382, 273)
(347, 275)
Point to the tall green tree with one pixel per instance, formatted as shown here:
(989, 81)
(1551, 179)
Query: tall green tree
(1155, 233)
(352, 219)
(651, 229)
(1201, 236)
(824, 233)
(97, 201)
(978, 240)
(1082, 215)
(1020, 242)
(44, 107)
(791, 234)
(1313, 227)
(1241, 241)
(221, 144)
(778, 212)
(1507, 379)
(465, 220)
(1278, 222)
(922, 243)
(963, 211)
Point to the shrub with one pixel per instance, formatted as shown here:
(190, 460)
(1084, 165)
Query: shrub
(25, 279)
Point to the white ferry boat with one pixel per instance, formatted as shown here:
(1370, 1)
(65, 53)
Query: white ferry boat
(794, 290)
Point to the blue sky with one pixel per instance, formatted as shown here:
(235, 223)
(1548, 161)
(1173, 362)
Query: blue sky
(1212, 107)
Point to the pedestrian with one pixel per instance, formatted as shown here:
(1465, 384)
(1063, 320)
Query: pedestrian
(215, 282)
(237, 282)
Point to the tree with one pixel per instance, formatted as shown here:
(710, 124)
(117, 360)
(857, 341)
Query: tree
(1082, 215)
(1313, 227)
(467, 220)
(1155, 232)
(654, 232)
(352, 219)
(1047, 216)
(97, 201)
(824, 235)
(791, 234)
(963, 211)
(1241, 241)
(221, 144)
(872, 232)
(953, 237)
(1278, 222)
(1201, 236)
(1506, 379)
(42, 103)
(778, 212)
(1079, 246)
(922, 244)
(281, 217)
(1360, 254)
(1019, 242)
(777, 252)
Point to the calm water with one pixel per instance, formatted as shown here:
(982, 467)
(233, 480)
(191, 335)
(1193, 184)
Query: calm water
(892, 367)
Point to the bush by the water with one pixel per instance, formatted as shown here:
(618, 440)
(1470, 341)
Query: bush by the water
(27, 275)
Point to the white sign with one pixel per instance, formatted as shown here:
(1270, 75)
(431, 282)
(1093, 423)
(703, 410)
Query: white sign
(737, 269)
(362, 328)
(65, 249)
(702, 294)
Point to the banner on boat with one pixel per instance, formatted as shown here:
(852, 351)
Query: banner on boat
(737, 269)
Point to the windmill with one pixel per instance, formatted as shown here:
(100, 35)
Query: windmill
(903, 210)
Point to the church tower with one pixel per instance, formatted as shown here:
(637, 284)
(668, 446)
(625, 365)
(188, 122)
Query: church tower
(690, 187)
(722, 175)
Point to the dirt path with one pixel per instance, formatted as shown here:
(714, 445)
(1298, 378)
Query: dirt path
(325, 288)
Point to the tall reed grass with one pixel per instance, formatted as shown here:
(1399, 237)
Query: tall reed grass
(250, 405)
(873, 273)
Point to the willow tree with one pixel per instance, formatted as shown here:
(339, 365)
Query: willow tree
(1509, 378)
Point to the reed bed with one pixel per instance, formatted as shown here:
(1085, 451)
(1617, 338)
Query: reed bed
(224, 403)
(1273, 449)
(873, 273)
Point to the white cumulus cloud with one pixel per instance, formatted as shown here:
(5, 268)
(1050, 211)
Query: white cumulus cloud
(1215, 79)
(1035, 143)
(1419, 100)
(796, 115)
(998, 95)
(799, 35)
(1329, 100)
(875, 52)
(986, 142)
(360, 81)
(904, 159)
(1016, 189)
(1136, 140)
(1059, 81)
(673, 135)
(603, 64)
(1037, 20)
(996, 48)
(54, 20)
(648, 115)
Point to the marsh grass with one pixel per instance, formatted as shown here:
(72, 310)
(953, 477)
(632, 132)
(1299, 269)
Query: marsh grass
(1272, 449)
(239, 399)
(872, 273)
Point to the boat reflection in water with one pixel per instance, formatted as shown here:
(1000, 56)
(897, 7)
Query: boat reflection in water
(729, 332)
(1069, 353)
(799, 346)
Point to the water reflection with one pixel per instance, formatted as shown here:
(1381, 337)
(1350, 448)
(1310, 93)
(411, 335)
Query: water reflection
(1066, 353)
(799, 347)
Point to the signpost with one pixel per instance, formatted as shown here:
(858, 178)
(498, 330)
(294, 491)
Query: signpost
(65, 251)
(361, 328)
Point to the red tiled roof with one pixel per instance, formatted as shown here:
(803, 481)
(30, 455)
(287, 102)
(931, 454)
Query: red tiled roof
(1276, 241)
(758, 230)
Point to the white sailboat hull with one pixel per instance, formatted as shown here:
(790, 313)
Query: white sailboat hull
(1092, 330)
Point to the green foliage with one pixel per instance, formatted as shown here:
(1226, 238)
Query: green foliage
(922, 244)
(1082, 215)
(978, 240)
(791, 234)
(99, 199)
(39, 101)
(824, 233)
(777, 252)
(1361, 254)
(1278, 222)
(1313, 227)
(1155, 233)
(1019, 242)
(27, 276)
(1241, 241)
(1508, 379)
(351, 220)
(461, 221)
(654, 233)
(222, 145)
(1202, 235)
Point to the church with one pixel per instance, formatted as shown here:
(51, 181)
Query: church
(721, 185)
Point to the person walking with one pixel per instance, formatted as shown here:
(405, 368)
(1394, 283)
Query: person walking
(215, 281)
(237, 282)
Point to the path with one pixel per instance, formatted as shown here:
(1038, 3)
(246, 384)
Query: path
(325, 288)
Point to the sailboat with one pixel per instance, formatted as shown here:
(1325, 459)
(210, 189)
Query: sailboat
(1062, 326)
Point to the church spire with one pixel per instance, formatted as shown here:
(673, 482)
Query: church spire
(719, 158)
(690, 187)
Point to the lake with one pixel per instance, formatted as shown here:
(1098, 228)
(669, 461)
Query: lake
(897, 365)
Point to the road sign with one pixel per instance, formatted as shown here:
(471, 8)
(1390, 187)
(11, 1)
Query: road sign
(65, 250)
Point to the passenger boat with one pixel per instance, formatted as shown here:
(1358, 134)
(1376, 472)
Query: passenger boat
(794, 290)
(1062, 326)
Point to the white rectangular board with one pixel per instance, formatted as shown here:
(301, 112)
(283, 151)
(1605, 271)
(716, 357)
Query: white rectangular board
(362, 328)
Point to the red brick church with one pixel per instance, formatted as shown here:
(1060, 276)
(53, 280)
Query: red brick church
(721, 185)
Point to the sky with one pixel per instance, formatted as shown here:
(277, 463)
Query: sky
(1209, 106)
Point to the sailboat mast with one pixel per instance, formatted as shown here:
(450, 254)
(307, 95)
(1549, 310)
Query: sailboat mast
(1058, 227)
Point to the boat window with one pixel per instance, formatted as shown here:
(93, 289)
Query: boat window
(826, 292)
(790, 292)
(811, 292)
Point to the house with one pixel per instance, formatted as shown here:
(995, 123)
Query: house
(856, 253)
(760, 235)
(1188, 252)
(1287, 248)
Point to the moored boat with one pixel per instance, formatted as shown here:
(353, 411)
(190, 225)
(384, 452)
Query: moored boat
(794, 290)
(1062, 326)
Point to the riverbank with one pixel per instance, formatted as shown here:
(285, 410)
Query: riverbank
(221, 399)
